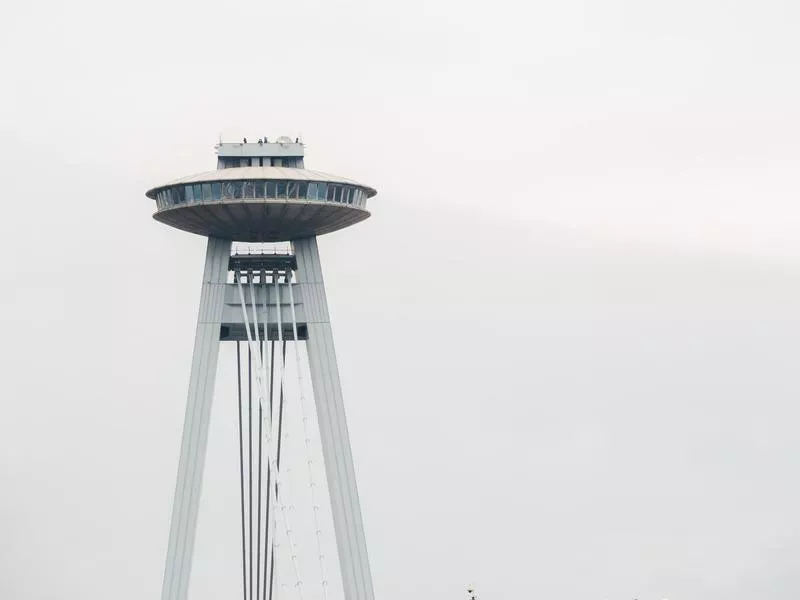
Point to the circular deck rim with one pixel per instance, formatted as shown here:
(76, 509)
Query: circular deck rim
(261, 173)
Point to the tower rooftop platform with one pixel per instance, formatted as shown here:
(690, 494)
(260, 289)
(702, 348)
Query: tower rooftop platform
(285, 148)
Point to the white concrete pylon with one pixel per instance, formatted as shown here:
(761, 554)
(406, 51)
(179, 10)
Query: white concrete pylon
(183, 524)
(339, 470)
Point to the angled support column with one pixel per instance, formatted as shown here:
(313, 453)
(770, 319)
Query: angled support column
(195, 425)
(350, 540)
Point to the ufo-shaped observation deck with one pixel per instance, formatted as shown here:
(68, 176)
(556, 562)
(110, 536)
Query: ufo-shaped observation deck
(261, 204)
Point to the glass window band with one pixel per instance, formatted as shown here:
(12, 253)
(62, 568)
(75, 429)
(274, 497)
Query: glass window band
(313, 191)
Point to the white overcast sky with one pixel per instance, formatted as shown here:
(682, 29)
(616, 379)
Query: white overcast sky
(568, 335)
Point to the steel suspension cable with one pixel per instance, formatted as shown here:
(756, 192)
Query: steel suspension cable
(241, 464)
(278, 452)
(269, 385)
(307, 438)
(258, 526)
(269, 473)
(270, 540)
(250, 457)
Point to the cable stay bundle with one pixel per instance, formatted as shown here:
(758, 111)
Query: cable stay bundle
(266, 488)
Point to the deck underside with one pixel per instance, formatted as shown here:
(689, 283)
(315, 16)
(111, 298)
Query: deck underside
(261, 220)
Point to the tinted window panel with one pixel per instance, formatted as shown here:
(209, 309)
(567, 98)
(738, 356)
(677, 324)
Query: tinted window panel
(270, 189)
(291, 189)
(227, 190)
(302, 189)
(216, 191)
(237, 189)
(249, 189)
(312, 191)
(259, 189)
(281, 189)
(206, 191)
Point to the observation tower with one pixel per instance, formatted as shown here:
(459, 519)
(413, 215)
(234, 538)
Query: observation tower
(270, 302)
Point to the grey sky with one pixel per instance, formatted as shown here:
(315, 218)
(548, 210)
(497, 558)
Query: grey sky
(567, 336)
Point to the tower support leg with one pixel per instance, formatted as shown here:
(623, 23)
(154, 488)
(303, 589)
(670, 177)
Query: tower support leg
(347, 522)
(195, 426)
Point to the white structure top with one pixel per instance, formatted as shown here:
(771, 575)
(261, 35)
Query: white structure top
(265, 173)
(283, 147)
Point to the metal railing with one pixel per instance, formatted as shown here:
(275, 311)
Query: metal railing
(250, 248)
